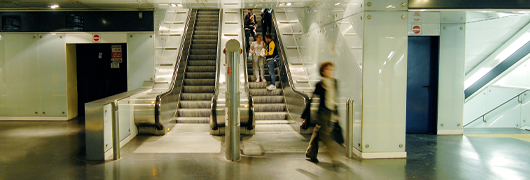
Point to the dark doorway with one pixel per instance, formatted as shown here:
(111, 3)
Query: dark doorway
(95, 77)
(422, 84)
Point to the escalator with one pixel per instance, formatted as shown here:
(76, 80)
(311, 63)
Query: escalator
(199, 81)
(271, 110)
(192, 84)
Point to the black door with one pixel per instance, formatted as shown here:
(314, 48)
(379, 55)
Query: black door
(95, 77)
(422, 84)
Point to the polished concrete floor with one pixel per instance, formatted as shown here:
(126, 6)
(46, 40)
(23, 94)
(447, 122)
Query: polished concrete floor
(56, 150)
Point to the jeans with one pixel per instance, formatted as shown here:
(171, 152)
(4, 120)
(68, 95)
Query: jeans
(247, 36)
(272, 71)
(259, 66)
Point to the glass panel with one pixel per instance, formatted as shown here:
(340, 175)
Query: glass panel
(52, 74)
(21, 76)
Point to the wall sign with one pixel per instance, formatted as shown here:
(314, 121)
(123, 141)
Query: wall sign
(416, 29)
(116, 56)
(96, 38)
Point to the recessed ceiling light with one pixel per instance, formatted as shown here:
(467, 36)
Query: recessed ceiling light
(282, 4)
(54, 6)
(288, 4)
(173, 5)
(179, 5)
(337, 4)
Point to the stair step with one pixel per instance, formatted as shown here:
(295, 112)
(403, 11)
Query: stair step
(203, 112)
(195, 104)
(197, 37)
(196, 96)
(206, 28)
(204, 46)
(204, 41)
(193, 120)
(272, 107)
(203, 32)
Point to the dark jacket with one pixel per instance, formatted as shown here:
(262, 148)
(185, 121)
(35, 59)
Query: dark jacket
(321, 92)
(266, 18)
(250, 23)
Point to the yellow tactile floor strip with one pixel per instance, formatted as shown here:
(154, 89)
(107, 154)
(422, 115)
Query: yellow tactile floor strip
(523, 137)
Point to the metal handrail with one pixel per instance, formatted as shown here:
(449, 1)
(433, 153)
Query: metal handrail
(251, 119)
(158, 99)
(213, 113)
(284, 62)
(484, 115)
(349, 127)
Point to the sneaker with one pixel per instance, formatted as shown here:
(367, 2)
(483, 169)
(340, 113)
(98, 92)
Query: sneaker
(263, 80)
(271, 87)
(257, 80)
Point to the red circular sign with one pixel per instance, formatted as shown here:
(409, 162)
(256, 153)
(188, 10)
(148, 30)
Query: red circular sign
(416, 29)
(96, 38)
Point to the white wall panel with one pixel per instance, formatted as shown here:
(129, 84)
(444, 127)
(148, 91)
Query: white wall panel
(21, 75)
(52, 75)
(3, 85)
(141, 65)
(451, 79)
(384, 82)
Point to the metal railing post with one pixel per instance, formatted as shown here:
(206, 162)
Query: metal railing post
(115, 131)
(233, 52)
(349, 127)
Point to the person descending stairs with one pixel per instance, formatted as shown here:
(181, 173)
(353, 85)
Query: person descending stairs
(199, 79)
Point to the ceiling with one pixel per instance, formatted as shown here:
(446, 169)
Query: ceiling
(12, 5)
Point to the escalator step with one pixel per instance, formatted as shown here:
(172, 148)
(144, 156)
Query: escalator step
(203, 51)
(207, 28)
(197, 82)
(201, 69)
(204, 46)
(193, 120)
(200, 23)
(195, 104)
(280, 107)
(199, 62)
(266, 92)
(203, 57)
(200, 75)
(198, 89)
(196, 96)
(270, 115)
(202, 32)
(204, 41)
(203, 112)
(261, 85)
(197, 37)
(267, 99)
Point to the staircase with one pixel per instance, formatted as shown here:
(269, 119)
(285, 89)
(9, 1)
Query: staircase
(199, 79)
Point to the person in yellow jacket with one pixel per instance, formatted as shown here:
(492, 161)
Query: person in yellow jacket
(269, 60)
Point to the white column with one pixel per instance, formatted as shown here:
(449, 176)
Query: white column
(384, 79)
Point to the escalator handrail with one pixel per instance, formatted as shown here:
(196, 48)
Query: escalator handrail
(217, 71)
(284, 62)
(251, 123)
(484, 115)
(158, 99)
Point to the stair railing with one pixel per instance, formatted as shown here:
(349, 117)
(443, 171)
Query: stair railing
(483, 116)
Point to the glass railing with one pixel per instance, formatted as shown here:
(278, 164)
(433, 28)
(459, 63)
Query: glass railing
(512, 113)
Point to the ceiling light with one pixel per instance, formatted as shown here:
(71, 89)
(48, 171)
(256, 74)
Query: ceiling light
(173, 5)
(288, 4)
(179, 5)
(54, 6)
(282, 4)
(337, 4)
